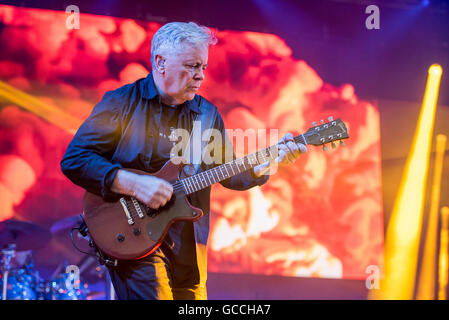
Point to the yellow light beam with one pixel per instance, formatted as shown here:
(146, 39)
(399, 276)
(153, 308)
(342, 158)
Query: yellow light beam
(443, 259)
(403, 232)
(44, 110)
(427, 275)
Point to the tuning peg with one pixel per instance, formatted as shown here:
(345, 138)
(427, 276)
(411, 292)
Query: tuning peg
(325, 148)
(322, 121)
(314, 124)
(342, 144)
(330, 119)
(333, 145)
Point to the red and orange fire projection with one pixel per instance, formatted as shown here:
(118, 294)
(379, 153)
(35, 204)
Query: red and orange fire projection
(320, 217)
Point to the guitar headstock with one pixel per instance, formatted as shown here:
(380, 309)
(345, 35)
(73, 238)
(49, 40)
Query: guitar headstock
(329, 132)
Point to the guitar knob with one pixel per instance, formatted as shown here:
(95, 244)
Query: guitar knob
(325, 148)
(331, 118)
(314, 124)
(333, 145)
(120, 237)
(342, 144)
(322, 121)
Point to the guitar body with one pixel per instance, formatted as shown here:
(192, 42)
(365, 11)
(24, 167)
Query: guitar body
(121, 238)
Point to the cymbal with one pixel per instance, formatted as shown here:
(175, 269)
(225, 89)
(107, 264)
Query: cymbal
(64, 226)
(25, 235)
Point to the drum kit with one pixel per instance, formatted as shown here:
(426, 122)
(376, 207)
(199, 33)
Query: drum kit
(19, 279)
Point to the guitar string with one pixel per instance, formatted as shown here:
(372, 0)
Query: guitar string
(210, 173)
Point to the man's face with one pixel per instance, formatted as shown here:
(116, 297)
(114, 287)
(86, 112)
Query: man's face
(184, 72)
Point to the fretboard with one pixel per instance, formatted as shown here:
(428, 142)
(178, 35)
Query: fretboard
(225, 171)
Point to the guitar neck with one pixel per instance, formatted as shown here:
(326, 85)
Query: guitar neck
(225, 171)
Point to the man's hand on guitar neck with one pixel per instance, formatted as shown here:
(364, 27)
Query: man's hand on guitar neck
(288, 152)
(152, 191)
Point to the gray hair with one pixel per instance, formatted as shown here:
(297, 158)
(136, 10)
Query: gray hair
(174, 34)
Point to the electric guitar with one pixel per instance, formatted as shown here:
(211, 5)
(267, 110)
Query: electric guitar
(127, 229)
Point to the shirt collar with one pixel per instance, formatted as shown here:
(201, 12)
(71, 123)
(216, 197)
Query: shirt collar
(150, 92)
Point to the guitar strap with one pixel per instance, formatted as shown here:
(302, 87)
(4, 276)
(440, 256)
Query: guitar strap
(199, 137)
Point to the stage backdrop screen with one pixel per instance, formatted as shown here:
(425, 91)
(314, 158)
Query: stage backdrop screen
(320, 217)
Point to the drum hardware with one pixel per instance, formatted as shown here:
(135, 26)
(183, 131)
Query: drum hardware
(19, 279)
(92, 266)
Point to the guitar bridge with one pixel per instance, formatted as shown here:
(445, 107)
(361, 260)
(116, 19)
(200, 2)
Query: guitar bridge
(127, 213)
